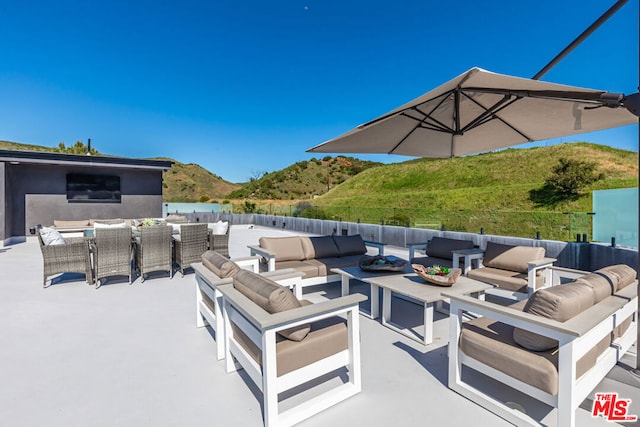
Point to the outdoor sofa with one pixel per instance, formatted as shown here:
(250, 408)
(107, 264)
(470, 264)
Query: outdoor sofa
(313, 256)
(556, 346)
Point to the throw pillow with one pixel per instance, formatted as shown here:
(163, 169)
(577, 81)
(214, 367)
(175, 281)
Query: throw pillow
(220, 227)
(51, 236)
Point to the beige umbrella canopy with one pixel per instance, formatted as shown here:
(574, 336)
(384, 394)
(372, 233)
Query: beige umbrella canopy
(480, 111)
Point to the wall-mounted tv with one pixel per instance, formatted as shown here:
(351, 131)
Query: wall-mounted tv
(93, 188)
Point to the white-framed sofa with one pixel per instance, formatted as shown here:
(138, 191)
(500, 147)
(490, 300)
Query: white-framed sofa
(555, 347)
(284, 345)
(314, 256)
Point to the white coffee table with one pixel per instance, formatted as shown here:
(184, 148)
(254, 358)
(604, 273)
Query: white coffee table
(356, 273)
(412, 286)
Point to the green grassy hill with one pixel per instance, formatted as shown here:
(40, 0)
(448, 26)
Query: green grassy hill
(303, 179)
(501, 191)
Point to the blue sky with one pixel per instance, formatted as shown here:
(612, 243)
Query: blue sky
(246, 87)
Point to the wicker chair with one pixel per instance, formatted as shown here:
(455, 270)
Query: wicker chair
(219, 242)
(190, 245)
(112, 253)
(153, 250)
(72, 257)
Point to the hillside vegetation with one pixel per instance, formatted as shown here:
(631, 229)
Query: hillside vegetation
(503, 191)
(192, 183)
(303, 179)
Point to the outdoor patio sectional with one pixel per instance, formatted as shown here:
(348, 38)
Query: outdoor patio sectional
(556, 346)
(313, 256)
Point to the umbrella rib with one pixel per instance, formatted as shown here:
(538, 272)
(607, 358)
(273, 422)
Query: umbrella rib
(491, 113)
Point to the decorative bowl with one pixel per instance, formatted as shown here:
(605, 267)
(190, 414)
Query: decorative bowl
(437, 275)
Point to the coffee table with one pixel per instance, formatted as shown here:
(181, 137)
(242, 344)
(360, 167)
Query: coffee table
(356, 273)
(412, 286)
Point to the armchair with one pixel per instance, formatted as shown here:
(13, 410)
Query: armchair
(555, 347)
(282, 343)
(112, 253)
(190, 244)
(153, 249)
(71, 257)
(216, 270)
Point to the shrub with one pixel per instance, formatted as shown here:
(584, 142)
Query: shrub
(569, 177)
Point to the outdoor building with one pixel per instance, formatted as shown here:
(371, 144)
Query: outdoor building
(39, 187)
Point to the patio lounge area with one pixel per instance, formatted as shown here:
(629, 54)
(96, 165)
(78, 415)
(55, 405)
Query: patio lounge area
(132, 355)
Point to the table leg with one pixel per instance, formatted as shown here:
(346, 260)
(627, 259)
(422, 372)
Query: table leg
(428, 323)
(386, 304)
(345, 285)
(375, 301)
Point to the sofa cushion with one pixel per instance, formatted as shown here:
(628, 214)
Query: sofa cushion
(176, 218)
(514, 258)
(272, 298)
(559, 303)
(601, 285)
(504, 279)
(319, 247)
(492, 343)
(350, 245)
(308, 268)
(51, 236)
(71, 223)
(114, 225)
(92, 222)
(220, 265)
(326, 264)
(285, 248)
(620, 273)
(441, 247)
(327, 337)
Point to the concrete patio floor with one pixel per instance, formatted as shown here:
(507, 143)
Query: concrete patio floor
(130, 355)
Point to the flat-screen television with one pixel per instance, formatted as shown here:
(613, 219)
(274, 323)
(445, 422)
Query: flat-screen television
(93, 188)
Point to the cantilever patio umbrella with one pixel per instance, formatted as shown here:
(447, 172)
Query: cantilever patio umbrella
(480, 111)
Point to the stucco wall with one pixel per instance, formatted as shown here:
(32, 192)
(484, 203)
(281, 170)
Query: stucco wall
(37, 195)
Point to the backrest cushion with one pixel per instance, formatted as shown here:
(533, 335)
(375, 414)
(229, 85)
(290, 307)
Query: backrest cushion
(512, 258)
(219, 264)
(560, 303)
(176, 218)
(620, 273)
(271, 297)
(51, 236)
(114, 225)
(285, 248)
(71, 223)
(319, 247)
(350, 245)
(92, 222)
(441, 247)
(601, 285)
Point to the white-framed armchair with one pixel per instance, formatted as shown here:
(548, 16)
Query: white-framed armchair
(219, 271)
(321, 338)
(556, 347)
